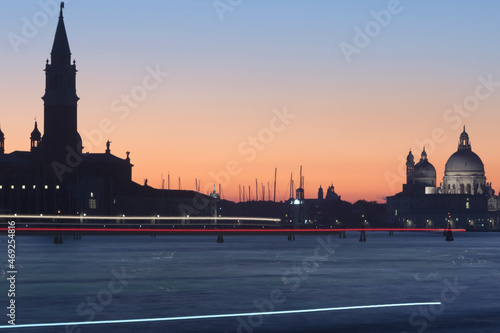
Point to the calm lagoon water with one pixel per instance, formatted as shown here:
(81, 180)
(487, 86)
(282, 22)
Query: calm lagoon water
(129, 277)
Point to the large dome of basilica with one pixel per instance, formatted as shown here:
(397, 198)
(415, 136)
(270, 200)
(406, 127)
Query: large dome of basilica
(464, 160)
(464, 171)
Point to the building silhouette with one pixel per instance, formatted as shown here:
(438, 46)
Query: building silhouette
(55, 177)
(463, 199)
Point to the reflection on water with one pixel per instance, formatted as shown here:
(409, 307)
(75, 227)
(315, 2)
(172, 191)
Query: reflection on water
(128, 277)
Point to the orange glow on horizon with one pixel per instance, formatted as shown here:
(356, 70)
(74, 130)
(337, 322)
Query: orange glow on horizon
(212, 114)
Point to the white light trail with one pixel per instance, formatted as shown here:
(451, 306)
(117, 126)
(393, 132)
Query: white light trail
(145, 218)
(227, 315)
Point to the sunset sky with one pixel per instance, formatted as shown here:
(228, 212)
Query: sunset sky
(343, 88)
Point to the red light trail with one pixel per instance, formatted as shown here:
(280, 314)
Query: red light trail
(185, 230)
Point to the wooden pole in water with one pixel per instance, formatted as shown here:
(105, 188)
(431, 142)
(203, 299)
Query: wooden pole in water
(449, 234)
(220, 238)
(362, 237)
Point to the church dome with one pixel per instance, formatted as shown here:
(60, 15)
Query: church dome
(424, 172)
(36, 135)
(464, 160)
(424, 169)
(2, 136)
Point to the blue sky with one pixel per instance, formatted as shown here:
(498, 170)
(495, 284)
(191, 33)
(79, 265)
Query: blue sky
(226, 76)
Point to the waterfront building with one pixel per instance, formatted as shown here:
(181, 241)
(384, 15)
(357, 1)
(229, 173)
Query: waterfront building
(463, 199)
(56, 177)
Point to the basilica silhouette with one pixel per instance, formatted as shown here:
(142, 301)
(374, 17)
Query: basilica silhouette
(463, 199)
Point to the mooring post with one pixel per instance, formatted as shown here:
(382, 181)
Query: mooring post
(362, 236)
(449, 234)
(220, 238)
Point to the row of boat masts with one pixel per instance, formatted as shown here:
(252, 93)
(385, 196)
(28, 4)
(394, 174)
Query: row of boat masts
(260, 192)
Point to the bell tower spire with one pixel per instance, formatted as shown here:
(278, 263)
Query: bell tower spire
(60, 53)
(410, 168)
(60, 100)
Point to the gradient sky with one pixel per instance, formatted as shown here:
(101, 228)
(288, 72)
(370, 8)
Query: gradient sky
(354, 121)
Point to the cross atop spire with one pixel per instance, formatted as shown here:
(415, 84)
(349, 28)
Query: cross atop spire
(61, 53)
(424, 154)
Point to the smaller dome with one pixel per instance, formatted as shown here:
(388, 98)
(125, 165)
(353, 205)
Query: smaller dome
(330, 193)
(36, 135)
(2, 136)
(424, 169)
(424, 172)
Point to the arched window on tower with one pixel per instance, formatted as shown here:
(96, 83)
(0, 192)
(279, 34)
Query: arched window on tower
(468, 189)
(462, 189)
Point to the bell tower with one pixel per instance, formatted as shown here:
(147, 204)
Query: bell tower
(35, 138)
(2, 142)
(60, 101)
(410, 167)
